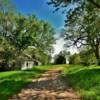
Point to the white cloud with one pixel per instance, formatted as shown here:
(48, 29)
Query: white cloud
(59, 46)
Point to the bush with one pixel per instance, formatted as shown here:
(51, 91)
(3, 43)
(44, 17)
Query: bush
(85, 57)
(75, 59)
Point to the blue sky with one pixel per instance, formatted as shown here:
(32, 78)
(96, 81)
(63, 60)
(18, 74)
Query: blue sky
(42, 11)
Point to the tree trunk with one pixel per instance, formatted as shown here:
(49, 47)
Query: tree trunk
(97, 54)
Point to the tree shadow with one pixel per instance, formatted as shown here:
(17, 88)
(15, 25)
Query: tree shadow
(48, 86)
(12, 84)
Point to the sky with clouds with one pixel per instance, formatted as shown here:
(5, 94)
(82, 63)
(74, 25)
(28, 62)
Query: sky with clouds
(44, 12)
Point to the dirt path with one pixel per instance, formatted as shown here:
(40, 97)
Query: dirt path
(50, 86)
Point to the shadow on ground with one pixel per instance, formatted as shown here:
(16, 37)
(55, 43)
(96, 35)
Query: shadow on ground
(50, 86)
(12, 82)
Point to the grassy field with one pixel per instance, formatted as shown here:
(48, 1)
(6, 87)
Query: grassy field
(13, 81)
(85, 80)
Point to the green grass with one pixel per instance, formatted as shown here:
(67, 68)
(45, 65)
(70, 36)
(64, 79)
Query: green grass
(13, 81)
(85, 80)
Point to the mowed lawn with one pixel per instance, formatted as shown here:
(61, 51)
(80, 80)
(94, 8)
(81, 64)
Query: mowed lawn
(12, 82)
(85, 80)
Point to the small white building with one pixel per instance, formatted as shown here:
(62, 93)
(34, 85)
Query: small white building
(28, 64)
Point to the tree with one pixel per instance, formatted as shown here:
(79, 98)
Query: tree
(78, 4)
(23, 32)
(60, 58)
(82, 58)
(87, 60)
(20, 32)
(6, 6)
(75, 59)
(38, 55)
(7, 55)
(84, 30)
(13, 31)
(82, 24)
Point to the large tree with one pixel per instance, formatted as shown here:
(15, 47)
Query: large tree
(27, 31)
(82, 24)
(21, 32)
(83, 29)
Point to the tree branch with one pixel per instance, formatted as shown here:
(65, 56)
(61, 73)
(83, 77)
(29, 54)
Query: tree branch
(95, 3)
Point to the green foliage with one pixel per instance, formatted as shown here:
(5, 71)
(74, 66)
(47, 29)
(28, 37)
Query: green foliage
(31, 31)
(38, 55)
(85, 80)
(21, 32)
(75, 59)
(87, 57)
(80, 4)
(83, 29)
(84, 57)
(82, 26)
(7, 55)
(62, 57)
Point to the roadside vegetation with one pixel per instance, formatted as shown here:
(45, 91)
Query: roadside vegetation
(85, 80)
